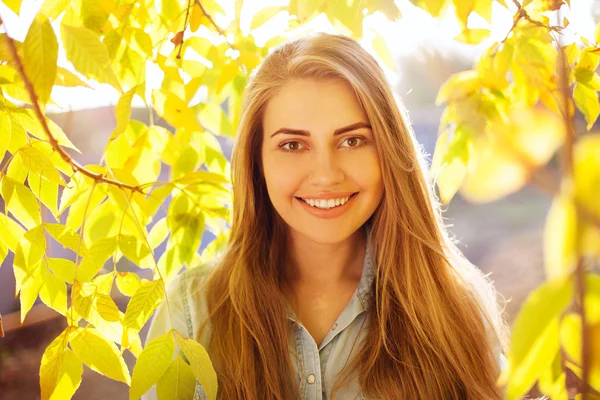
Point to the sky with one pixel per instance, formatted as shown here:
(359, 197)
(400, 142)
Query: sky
(414, 30)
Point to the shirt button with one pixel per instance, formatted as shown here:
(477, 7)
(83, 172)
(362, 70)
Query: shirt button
(334, 326)
(310, 378)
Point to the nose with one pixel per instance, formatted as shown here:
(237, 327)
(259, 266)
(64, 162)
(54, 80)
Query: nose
(326, 171)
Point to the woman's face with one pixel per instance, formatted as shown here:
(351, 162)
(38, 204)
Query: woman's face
(320, 161)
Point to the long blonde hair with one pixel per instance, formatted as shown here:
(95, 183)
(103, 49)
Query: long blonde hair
(434, 318)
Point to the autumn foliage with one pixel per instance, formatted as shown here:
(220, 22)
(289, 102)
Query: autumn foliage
(505, 124)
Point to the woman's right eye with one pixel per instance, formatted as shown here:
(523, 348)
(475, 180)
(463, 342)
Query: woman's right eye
(291, 146)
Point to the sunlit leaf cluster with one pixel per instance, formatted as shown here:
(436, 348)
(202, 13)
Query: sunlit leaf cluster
(504, 124)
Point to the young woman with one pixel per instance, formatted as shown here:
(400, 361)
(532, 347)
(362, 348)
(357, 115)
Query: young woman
(339, 280)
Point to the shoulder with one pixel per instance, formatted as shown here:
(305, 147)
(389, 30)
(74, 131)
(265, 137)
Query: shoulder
(185, 308)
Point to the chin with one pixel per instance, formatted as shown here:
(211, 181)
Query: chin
(325, 233)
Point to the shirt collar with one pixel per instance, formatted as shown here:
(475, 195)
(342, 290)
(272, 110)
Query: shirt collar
(363, 292)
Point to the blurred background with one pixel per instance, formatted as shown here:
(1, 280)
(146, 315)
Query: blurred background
(503, 238)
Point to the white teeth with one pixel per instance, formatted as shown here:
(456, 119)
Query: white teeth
(326, 204)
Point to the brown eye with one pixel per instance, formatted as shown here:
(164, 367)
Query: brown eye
(291, 146)
(354, 141)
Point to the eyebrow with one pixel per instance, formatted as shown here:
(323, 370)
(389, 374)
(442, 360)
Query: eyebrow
(338, 131)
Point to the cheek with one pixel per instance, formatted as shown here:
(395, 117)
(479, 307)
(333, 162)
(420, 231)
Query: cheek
(368, 175)
(281, 177)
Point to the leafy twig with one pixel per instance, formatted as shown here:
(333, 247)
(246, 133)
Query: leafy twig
(213, 23)
(38, 111)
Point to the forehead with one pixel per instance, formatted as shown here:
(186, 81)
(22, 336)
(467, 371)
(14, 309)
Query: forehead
(306, 104)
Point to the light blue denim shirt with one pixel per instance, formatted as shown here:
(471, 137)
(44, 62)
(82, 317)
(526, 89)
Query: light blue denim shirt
(315, 366)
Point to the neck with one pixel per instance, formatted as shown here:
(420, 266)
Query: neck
(325, 264)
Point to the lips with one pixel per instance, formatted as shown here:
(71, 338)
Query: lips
(328, 213)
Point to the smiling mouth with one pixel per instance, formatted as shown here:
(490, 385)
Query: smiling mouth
(326, 204)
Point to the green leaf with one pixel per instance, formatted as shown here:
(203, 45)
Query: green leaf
(40, 54)
(200, 363)
(88, 54)
(586, 100)
(99, 354)
(177, 383)
(142, 304)
(152, 363)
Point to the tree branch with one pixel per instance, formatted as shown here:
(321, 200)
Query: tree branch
(213, 23)
(40, 115)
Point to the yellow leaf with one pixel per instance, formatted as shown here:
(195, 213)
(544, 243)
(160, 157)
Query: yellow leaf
(513, 150)
(177, 383)
(588, 78)
(46, 192)
(158, 233)
(53, 8)
(463, 10)
(586, 173)
(264, 15)
(472, 36)
(135, 249)
(597, 34)
(67, 237)
(449, 164)
(84, 206)
(10, 232)
(3, 254)
(152, 363)
(69, 376)
(40, 54)
(98, 253)
(88, 54)
(102, 222)
(30, 122)
(128, 283)
(142, 304)
(200, 363)
(123, 112)
(30, 288)
(14, 5)
(560, 239)
(64, 269)
(29, 253)
(382, 51)
(535, 336)
(36, 161)
(52, 364)
(21, 202)
(54, 291)
(93, 304)
(99, 354)
(66, 78)
(174, 110)
(458, 86)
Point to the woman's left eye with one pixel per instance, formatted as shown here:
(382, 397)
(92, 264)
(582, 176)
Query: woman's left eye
(354, 141)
